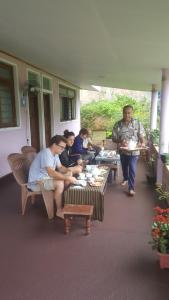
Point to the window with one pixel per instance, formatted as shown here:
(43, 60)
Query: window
(47, 84)
(67, 103)
(7, 97)
(34, 81)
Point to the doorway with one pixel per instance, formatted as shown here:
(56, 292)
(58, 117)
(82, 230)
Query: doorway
(47, 118)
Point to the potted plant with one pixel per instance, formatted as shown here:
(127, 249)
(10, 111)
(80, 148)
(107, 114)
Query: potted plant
(165, 158)
(160, 230)
(155, 136)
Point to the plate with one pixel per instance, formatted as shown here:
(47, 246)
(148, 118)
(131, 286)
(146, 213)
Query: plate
(95, 184)
(134, 149)
(103, 167)
(81, 182)
(99, 179)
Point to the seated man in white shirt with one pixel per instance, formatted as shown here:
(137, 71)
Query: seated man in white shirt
(43, 168)
(88, 144)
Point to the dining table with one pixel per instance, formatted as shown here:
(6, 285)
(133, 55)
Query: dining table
(89, 195)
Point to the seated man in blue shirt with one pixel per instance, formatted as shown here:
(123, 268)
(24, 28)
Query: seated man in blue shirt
(43, 169)
(78, 147)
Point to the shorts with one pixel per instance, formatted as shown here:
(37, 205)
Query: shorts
(47, 183)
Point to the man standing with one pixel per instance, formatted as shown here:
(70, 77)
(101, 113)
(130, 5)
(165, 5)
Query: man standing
(125, 131)
(43, 168)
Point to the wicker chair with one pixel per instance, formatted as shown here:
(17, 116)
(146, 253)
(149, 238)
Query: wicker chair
(29, 152)
(20, 168)
(26, 149)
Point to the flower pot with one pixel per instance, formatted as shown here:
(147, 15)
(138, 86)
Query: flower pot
(164, 157)
(164, 260)
(151, 179)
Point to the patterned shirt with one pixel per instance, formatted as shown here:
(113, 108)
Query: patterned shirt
(131, 131)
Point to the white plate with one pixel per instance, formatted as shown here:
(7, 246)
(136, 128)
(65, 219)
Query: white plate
(81, 182)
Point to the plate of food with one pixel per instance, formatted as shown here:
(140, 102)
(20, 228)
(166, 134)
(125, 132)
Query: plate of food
(95, 184)
(99, 179)
(103, 171)
(103, 167)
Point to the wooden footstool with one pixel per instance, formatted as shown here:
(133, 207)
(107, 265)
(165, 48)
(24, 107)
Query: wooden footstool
(71, 210)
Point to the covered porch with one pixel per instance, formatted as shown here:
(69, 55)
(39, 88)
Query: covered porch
(76, 45)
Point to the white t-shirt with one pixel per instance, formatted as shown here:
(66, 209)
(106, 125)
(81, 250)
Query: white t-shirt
(43, 160)
(86, 141)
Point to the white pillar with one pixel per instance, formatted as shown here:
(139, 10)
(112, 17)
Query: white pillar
(154, 100)
(164, 112)
(164, 122)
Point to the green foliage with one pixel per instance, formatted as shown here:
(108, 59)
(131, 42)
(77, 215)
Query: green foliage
(155, 136)
(102, 115)
(163, 194)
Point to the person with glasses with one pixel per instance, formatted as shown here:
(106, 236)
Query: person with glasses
(47, 167)
(68, 160)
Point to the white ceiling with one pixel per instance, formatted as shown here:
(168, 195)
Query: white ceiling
(115, 43)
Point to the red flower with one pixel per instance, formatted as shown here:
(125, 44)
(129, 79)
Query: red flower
(158, 209)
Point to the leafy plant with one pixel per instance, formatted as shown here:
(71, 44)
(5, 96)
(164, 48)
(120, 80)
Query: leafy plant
(103, 114)
(155, 136)
(163, 194)
(108, 134)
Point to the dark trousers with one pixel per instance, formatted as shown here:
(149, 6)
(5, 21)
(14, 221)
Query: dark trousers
(129, 165)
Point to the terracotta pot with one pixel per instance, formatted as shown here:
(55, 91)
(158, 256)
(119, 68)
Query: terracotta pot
(164, 260)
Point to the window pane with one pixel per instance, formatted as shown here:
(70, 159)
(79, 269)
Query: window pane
(62, 91)
(47, 84)
(5, 73)
(67, 103)
(33, 79)
(71, 93)
(6, 107)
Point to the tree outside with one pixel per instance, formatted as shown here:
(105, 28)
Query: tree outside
(103, 114)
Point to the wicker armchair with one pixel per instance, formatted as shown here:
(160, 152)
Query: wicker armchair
(20, 168)
(29, 152)
(26, 149)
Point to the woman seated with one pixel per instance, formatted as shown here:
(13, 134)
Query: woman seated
(78, 147)
(73, 162)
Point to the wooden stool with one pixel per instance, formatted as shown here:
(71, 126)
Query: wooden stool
(115, 169)
(71, 210)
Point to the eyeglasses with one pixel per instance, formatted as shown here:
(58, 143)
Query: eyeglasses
(61, 147)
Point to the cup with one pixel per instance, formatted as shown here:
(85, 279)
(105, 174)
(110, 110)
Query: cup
(88, 168)
(82, 176)
(88, 175)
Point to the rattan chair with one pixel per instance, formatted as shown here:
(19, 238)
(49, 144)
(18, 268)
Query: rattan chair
(29, 152)
(20, 168)
(26, 149)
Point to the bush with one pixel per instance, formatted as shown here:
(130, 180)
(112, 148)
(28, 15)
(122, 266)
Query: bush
(103, 114)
